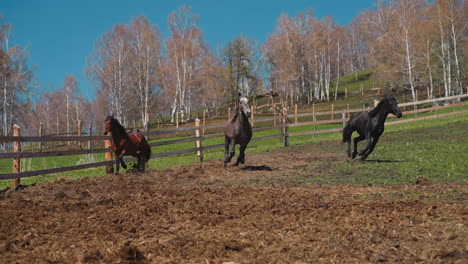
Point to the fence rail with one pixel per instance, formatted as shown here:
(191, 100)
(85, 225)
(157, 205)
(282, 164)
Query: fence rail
(280, 122)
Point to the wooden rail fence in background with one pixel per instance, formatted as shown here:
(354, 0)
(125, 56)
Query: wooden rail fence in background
(283, 119)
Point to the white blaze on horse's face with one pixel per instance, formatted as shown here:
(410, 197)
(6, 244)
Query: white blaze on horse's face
(244, 103)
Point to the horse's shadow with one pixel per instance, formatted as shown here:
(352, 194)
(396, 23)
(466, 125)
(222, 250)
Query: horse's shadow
(258, 168)
(382, 161)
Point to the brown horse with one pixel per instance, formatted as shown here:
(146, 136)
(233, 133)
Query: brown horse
(237, 131)
(124, 144)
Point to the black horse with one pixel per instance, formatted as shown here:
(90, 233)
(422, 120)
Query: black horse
(369, 125)
(237, 131)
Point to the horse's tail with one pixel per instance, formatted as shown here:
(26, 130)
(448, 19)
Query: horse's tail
(347, 132)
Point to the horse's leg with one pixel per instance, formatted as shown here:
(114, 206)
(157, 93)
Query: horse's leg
(138, 165)
(232, 149)
(226, 151)
(117, 163)
(348, 151)
(356, 141)
(371, 148)
(121, 159)
(141, 164)
(232, 152)
(369, 143)
(228, 154)
(241, 158)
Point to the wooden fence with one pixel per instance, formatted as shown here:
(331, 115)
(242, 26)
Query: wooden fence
(281, 122)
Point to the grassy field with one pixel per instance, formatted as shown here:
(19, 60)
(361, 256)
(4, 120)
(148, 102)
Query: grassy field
(354, 100)
(433, 149)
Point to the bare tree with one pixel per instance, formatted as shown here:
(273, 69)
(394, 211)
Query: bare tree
(185, 50)
(16, 81)
(110, 67)
(146, 48)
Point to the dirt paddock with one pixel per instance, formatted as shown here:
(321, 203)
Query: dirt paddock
(234, 215)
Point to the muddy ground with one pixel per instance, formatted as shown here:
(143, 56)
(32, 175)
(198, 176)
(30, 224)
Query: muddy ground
(255, 213)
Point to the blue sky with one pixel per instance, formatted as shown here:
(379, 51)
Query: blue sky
(60, 34)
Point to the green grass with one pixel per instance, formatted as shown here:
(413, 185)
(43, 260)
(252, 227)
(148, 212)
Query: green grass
(354, 100)
(423, 156)
(349, 82)
(435, 150)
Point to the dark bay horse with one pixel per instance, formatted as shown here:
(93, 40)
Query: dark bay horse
(124, 144)
(237, 131)
(370, 126)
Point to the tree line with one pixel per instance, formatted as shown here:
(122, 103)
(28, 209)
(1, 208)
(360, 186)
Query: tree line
(139, 74)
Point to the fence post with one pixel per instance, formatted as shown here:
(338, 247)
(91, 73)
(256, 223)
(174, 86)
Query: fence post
(254, 106)
(295, 113)
(346, 93)
(343, 117)
(286, 128)
(41, 133)
(147, 118)
(314, 119)
(80, 143)
(281, 126)
(16, 161)
(89, 141)
(229, 113)
(274, 114)
(109, 167)
(347, 106)
(204, 118)
(333, 112)
(198, 141)
(416, 106)
(252, 115)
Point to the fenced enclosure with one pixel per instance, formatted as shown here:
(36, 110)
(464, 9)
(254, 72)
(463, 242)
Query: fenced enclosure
(282, 124)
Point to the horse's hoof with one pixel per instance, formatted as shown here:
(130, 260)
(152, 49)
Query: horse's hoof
(364, 157)
(353, 155)
(236, 164)
(224, 165)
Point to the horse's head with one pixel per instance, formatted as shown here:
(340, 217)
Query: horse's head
(112, 124)
(393, 106)
(244, 105)
(108, 124)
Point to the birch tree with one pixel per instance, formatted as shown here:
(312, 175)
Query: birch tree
(110, 67)
(70, 92)
(458, 30)
(408, 15)
(16, 81)
(146, 48)
(185, 50)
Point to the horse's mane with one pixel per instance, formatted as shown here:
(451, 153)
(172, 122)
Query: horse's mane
(379, 106)
(118, 126)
